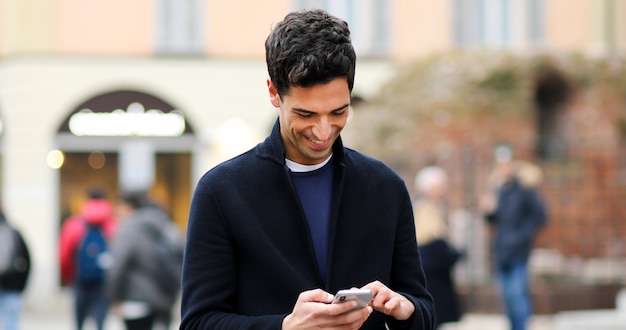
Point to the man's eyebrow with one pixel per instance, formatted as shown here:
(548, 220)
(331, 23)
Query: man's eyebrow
(333, 110)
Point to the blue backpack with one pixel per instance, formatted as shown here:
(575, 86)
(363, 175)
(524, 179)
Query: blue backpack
(92, 254)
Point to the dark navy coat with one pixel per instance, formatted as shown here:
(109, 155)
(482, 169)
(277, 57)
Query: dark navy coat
(249, 252)
(518, 216)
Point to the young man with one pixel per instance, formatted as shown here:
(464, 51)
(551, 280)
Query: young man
(276, 231)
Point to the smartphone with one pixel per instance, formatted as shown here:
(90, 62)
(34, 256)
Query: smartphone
(362, 297)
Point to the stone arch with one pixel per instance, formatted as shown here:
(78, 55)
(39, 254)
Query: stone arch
(98, 158)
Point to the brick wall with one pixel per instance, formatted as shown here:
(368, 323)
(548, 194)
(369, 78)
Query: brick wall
(585, 191)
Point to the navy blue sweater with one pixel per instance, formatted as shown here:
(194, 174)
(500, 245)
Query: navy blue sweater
(249, 252)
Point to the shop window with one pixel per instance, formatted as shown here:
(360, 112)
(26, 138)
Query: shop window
(497, 23)
(179, 26)
(368, 21)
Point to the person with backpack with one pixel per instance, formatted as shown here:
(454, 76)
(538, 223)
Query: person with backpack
(14, 272)
(84, 257)
(144, 280)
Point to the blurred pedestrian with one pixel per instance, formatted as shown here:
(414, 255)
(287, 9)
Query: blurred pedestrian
(14, 272)
(147, 251)
(84, 256)
(516, 214)
(438, 255)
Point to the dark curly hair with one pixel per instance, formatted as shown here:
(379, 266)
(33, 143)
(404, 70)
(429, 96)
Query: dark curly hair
(309, 48)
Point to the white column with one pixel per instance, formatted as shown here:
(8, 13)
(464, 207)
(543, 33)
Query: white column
(30, 193)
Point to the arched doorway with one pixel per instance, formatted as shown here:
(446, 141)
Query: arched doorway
(130, 135)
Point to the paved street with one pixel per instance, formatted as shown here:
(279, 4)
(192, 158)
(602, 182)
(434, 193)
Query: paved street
(63, 321)
(59, 317)
(498, 322)
(470, 322)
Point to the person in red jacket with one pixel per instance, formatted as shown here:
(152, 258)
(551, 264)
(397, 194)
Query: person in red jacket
(90, 298)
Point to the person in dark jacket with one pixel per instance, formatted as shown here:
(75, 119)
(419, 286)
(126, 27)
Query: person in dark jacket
(516, 217)
(13, 282)
(275, 232)
(438, 256)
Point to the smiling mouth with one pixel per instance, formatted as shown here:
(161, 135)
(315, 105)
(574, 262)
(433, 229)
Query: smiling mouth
(317, 144)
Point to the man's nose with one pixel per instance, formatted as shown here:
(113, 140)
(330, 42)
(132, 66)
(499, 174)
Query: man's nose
(322, 130)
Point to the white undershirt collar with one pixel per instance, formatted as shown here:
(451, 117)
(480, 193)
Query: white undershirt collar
(296, 167)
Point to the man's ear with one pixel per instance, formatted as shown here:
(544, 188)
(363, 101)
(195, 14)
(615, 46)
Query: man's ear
(274, 96)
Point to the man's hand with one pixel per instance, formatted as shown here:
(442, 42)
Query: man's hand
(389, 302)
(313, 310)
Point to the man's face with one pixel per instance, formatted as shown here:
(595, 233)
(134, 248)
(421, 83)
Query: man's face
(311, 119)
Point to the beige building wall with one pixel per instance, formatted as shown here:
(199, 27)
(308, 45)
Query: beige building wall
(27, 26)
(111, 27)
(239, 27)
(420, 28)
(3, 27)
(569, 24)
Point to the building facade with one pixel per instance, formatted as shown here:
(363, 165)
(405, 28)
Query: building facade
(201, 62)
